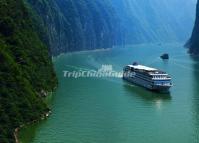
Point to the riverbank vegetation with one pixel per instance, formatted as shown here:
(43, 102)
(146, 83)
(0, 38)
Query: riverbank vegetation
(26, 70)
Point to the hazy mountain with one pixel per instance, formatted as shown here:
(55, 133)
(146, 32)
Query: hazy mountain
(194, 40)
(32, 31)
(155, 20)
(77, 25)
(84, 24)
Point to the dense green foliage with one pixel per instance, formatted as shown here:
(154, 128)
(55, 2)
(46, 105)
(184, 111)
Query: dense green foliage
(28, 27)
(194, 41)
(25, 68)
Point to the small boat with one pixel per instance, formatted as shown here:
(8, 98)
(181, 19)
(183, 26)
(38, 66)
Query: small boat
(150, 78)
(165, 56)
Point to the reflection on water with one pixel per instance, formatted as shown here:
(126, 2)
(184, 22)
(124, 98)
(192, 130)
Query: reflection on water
(30, 132)
(110, 110)
(147, 95)
(196, 97)
(165, 61)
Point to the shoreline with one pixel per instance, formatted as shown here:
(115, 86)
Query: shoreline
(80, 52)
(16, 131)
(46, 115)
(108, 49)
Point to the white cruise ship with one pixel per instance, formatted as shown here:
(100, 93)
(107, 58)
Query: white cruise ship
(147, 77)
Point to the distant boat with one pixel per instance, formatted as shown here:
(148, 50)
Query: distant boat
(165, 56)
(150, 78)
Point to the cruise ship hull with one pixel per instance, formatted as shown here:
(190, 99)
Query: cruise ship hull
(148, 85)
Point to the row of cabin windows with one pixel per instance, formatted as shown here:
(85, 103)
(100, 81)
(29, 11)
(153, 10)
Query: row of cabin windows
(159, 76)
(156, 76)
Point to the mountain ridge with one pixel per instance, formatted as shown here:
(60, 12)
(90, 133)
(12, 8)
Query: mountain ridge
(193, 43)
(31, 32)
(86, 25)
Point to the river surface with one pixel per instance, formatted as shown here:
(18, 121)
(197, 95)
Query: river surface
(109, 110)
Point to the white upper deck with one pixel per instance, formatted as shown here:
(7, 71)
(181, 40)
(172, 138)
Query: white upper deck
(141, 67)
(151, 71)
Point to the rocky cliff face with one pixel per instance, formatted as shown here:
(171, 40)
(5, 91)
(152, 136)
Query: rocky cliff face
(74, 25)
(29, 29)
(77, 25)
(146, 21)
(193, 43)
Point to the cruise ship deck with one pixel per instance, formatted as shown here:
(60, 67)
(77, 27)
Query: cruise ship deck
(150, 78)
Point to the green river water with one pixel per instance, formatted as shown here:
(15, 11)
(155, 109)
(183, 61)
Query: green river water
(109, 110)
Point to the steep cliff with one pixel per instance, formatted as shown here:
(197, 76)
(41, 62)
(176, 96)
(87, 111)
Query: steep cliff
(26, 71)
(146, 21)
(89, 24)
(77, 25)
(29, 27)
(193, 43)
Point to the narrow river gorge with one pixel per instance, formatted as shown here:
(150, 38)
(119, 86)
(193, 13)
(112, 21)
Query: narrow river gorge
(109, 110)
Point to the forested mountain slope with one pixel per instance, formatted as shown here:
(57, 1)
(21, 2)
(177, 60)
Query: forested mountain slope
(26, 71)
(78, 25)
(31, 31)
(91, 24)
